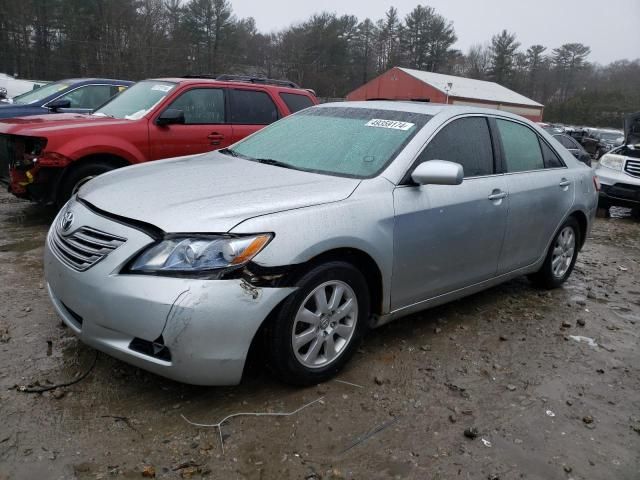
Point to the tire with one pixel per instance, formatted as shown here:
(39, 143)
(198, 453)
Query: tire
(312, 361)
(77, 176)
(561, 256)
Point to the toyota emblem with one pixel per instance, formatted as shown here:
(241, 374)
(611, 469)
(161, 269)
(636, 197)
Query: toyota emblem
(67, 220)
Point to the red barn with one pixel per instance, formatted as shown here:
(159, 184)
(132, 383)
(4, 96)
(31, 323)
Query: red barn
(407, 84)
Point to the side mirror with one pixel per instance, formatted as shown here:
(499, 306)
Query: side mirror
(438, 172)
(58, 104)
(171, 116)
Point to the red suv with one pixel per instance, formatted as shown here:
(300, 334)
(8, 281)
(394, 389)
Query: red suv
(47, 157)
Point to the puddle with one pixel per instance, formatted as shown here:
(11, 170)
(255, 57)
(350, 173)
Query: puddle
(580, 339)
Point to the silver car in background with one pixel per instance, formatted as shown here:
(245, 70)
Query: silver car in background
(306, 234)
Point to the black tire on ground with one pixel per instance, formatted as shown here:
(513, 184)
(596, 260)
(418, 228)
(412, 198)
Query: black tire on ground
(278, 334)
(78, 175)
(545, 278)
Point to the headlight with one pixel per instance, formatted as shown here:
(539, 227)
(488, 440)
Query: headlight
(612, 161)
(199, 253)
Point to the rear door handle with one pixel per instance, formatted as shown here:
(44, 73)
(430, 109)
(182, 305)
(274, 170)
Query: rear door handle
(564, 183)
(215, 138)
(497, 195)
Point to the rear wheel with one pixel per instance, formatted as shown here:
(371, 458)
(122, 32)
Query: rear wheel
(78, 176)
(561, 256)
(318, 328)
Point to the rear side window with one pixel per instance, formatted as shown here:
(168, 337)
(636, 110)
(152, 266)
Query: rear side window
(551, 159)
(251, 107)
(521, 147)
(465, 141)
(201, 106)
(295, 103)
(565, 141)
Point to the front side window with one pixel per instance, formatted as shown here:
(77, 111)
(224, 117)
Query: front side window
(90, 96)
(343, 141)
(136, 101)
(252, 107)
(521, 147)
(466, 141)
(201, 106)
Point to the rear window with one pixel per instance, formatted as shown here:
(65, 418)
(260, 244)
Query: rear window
(296, 102)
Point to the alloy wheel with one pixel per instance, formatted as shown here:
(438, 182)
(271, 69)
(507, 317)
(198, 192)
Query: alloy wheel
(563, 251)
(324, 324)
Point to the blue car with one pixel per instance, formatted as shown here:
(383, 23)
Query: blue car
(76, 95)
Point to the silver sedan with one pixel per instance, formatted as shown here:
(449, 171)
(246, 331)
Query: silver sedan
(306, 234)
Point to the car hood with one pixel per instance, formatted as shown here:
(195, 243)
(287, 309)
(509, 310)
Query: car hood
(8, 110)
(209, 193)
(632, 129)
(42, 125)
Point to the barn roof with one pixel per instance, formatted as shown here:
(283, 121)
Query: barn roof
(470, 88)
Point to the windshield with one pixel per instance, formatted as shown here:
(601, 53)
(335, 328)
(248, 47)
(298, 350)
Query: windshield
(351, 142)
(136, 101)
(39, 94)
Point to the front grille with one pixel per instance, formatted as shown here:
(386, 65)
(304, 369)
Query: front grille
(83, 248)
(633, 167)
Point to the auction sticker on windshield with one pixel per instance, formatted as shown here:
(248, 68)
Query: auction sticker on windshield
(162, 88)
(393, 124)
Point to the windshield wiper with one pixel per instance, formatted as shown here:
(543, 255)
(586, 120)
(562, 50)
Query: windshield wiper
(277, 163)
(228, 151)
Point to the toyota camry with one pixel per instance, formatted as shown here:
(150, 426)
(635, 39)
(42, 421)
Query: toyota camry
(301, 237)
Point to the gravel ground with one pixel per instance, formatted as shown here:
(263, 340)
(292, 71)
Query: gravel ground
(494, 386)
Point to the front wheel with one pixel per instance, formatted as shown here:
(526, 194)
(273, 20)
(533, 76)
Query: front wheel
(318, 328)
(561, 256)
(78, 176)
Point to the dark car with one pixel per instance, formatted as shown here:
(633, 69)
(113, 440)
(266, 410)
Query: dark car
(598, 142)
(78, 95)
(574, 147)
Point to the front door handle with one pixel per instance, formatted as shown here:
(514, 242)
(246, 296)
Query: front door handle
(497, 195)
(564, 183)
(215, 138)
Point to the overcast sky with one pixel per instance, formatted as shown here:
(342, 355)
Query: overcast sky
(610, 27)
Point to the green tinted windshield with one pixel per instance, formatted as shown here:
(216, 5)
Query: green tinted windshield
(39, 94)
(136, 101)
(352, 142)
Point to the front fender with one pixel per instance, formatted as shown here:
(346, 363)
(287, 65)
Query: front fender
(364, 221)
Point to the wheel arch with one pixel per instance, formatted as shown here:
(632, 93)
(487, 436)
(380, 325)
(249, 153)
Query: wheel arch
(106, 158)
(583, 223)
(356, 257)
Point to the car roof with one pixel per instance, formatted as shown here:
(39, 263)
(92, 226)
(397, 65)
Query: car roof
(201, 80)
(91, 80)
(426, 108)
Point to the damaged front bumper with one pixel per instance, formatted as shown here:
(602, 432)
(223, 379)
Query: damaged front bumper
(190, 330)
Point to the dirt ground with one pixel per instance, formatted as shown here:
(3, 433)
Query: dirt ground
(502, 362)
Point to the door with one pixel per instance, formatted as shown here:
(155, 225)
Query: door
(251, 110)
(541, 193)
(87, 98)
(449, 236)
(205, 125)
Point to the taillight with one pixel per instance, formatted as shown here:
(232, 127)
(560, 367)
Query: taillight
(596, 183)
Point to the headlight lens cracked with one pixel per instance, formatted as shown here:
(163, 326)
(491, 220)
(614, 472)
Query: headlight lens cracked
(199, 253)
